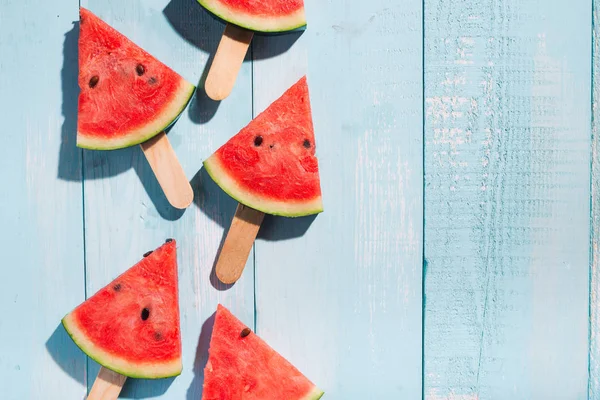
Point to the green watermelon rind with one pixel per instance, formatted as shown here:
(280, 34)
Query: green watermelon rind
(118, 364)
(161, 122)
(299, 29)
(268, 206)
(316, 394)
(256, 23)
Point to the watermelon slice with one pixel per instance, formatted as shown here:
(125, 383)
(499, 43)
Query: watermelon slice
(242, 366)
(259, 15)
(126, 95)
(270, 165)
(131, 326)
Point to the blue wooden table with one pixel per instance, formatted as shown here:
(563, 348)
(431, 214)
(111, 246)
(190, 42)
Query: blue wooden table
(458, 254)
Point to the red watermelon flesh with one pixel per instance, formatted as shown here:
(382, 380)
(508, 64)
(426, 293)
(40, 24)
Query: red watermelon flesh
(131, 326)
(242, 366)
(259, 15)
(270, 165)
(126, 95)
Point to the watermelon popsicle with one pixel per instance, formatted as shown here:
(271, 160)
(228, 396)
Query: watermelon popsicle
(128, 97)
(131, 326)
(269, 167)
(244, 17)
(243, 366)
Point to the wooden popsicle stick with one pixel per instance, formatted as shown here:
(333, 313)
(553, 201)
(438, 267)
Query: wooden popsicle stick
(168, 171)
(107, 386)
(227, 62)
(238, 243)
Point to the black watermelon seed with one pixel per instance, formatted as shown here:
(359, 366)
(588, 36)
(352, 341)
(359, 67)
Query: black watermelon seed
(271, 146)
(169, 240)
(94, 81)
(117, 287)
(245, 332)
(145, 314)
(140, 69)
(157, 336)
(306, 143)
(152, 80)
(146, 254)
(258, 141)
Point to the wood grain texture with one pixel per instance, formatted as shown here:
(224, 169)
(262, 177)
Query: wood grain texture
(168, 171)
(107, 386)
(594, 352)
(126, 212)
(227, 61)
(238, 243)
(507, 144)
(339, 295)
(40, 202)
(507, 199)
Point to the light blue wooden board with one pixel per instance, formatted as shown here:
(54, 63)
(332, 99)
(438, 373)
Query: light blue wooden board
(40, 202)
(594, 356)
(340, 295)
(507, 144)
(126, 212)
(506, 204)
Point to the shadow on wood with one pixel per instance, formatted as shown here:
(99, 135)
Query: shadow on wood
(271, 45)
(69, 165)
(145, 388)
(214, 279)
(194, 392)
(99, 164)
(70, 156)
(219, 207)
(66, 354)
(153, 189)
(276, 228)
(203, 30)
(72, 360)
(202, 108)
(196, 26)
(134, 388)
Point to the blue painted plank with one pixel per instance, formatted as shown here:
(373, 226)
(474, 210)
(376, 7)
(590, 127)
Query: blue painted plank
(41, 231)
(340, 295)
(507, 144)
(126, 213)
(507, 155)
(594, 352)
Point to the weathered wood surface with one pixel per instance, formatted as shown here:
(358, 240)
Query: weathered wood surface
(594, 356)
(507, 145)
(40, 202)
(340, 294)
(506, 200)
(126, 212)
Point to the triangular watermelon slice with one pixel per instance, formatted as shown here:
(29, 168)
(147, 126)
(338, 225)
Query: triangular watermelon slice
(270, 165)
(242, 366)
(259, 15)
(131, 326)
(126, 95)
